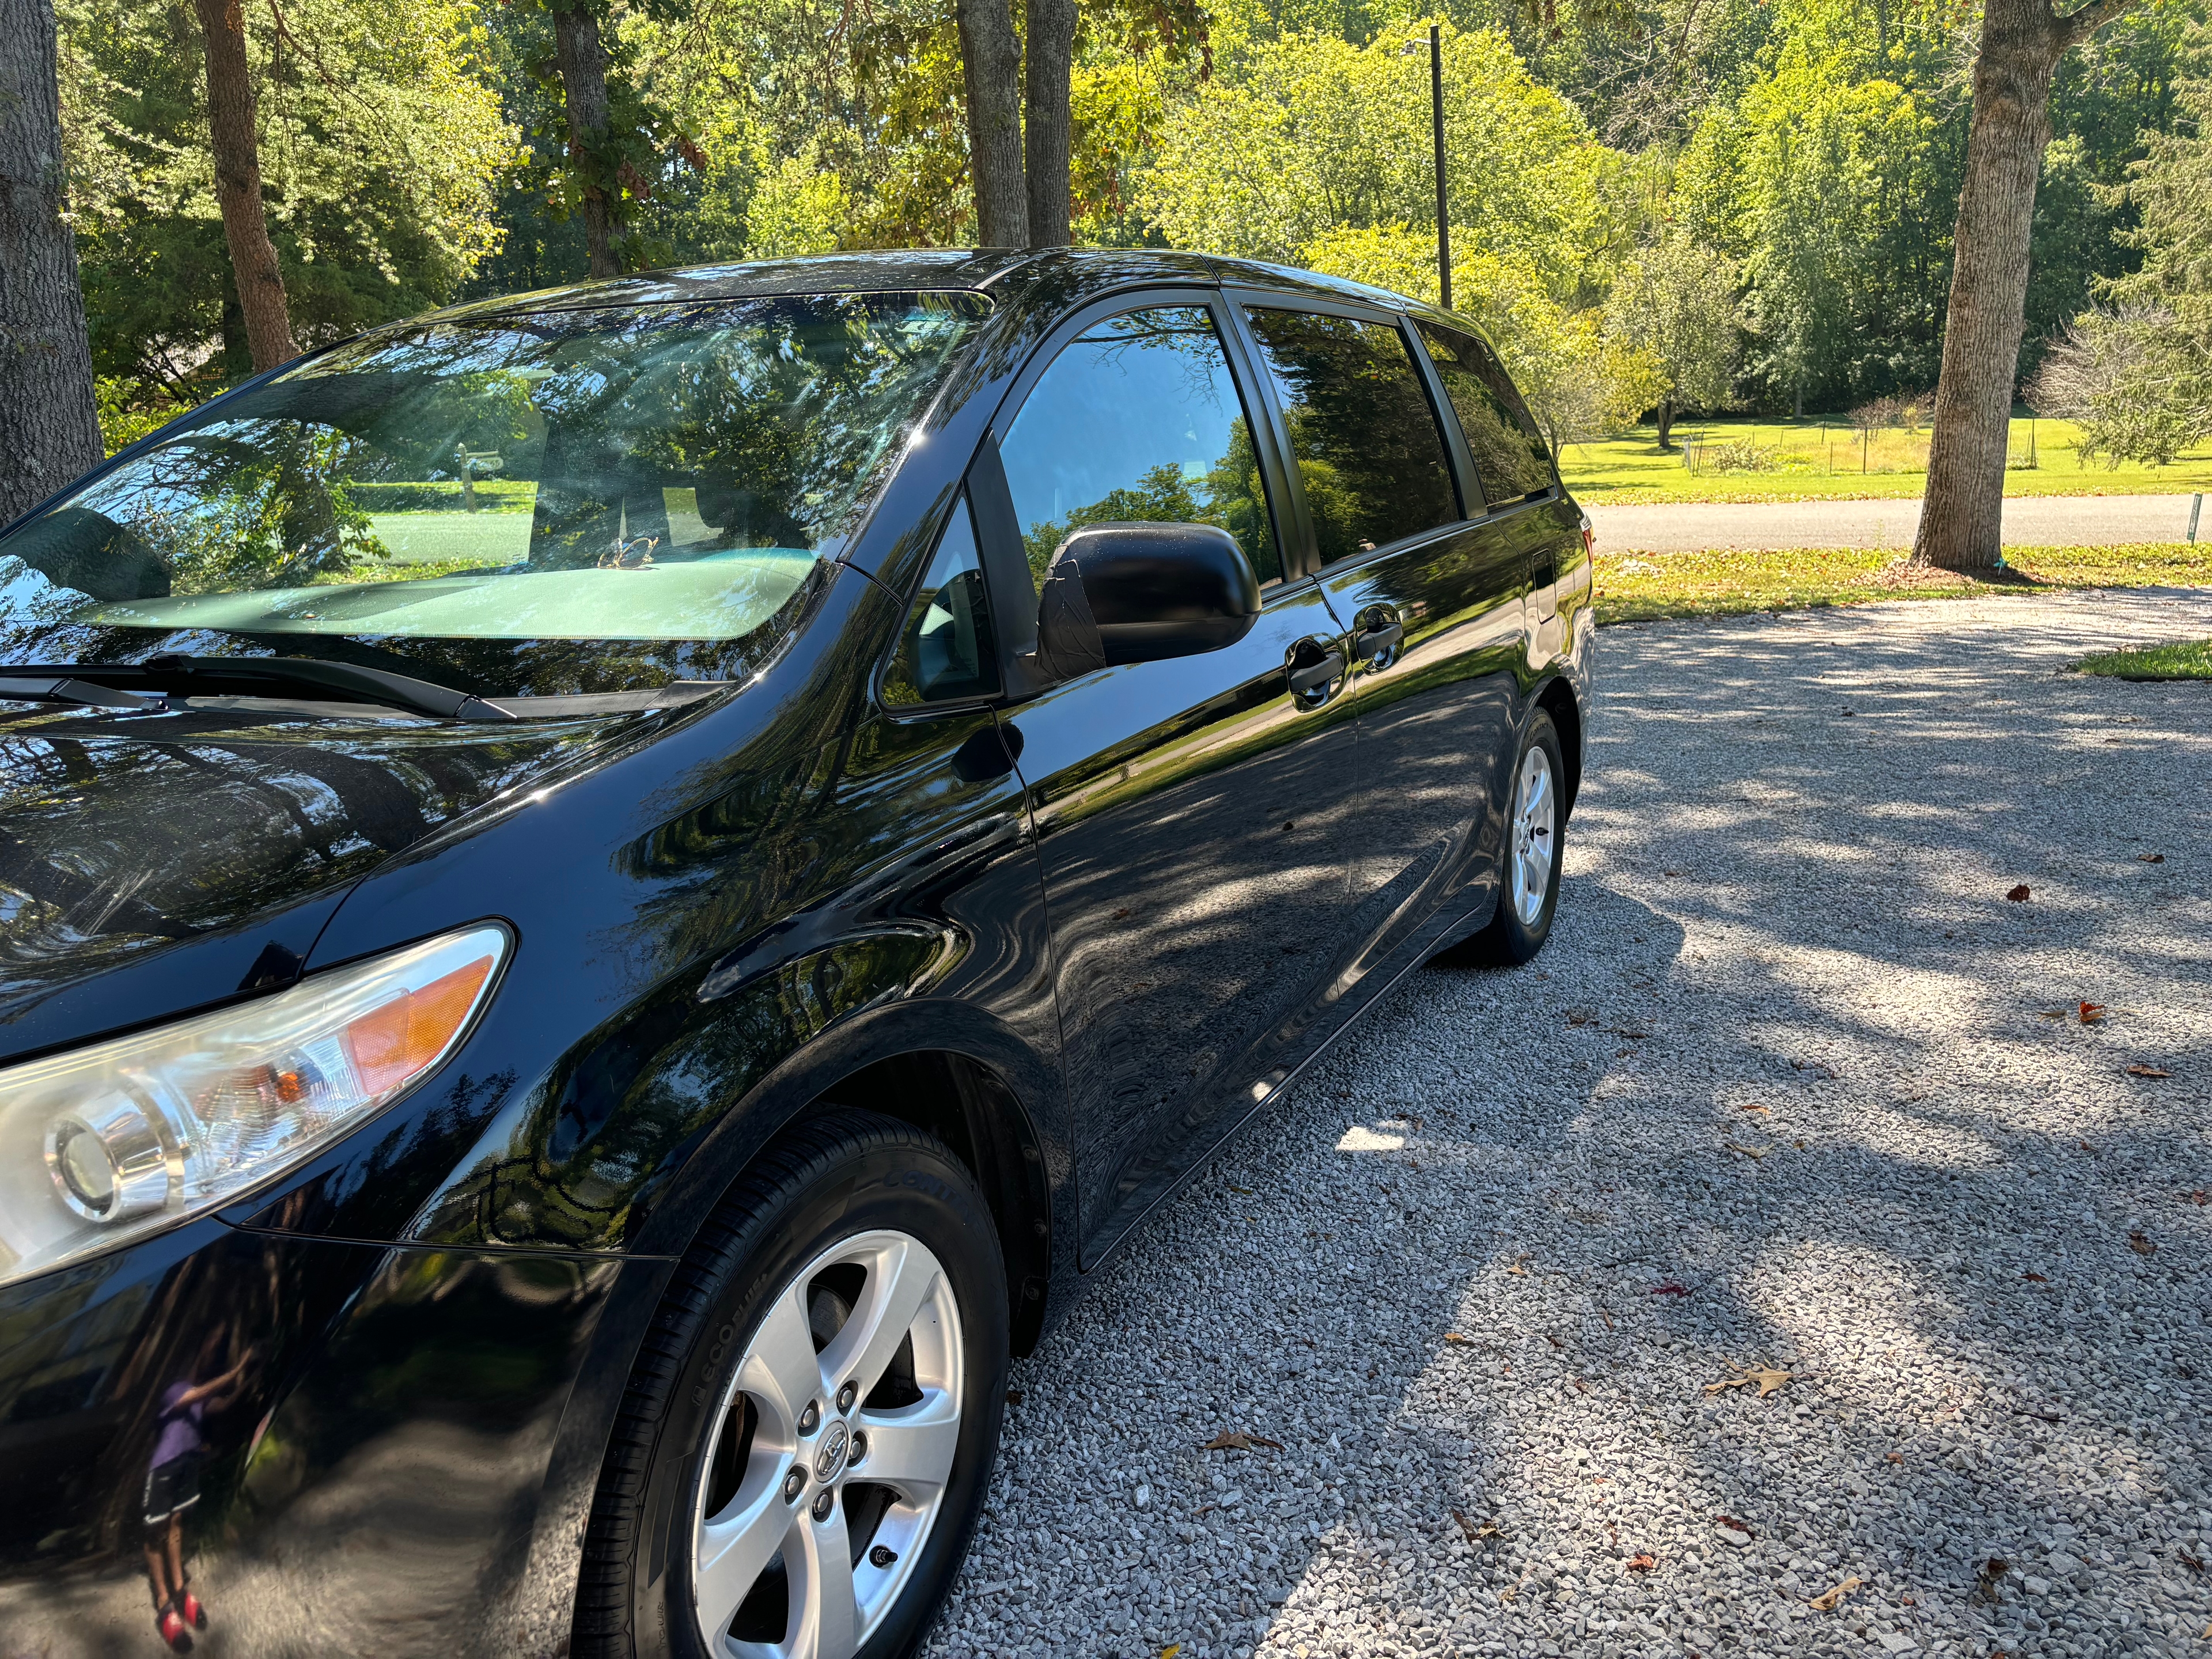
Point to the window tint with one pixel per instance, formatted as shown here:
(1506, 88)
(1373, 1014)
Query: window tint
(1365, 439)
(948, 649)
(1137, 419)
(1510, 456)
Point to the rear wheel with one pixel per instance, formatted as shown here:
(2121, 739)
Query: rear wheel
(1528, 871)
(806, 1438)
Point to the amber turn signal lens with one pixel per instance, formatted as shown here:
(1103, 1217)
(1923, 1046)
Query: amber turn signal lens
(390, 1044)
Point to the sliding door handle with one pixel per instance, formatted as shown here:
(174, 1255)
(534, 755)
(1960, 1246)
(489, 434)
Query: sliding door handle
(1372, 642)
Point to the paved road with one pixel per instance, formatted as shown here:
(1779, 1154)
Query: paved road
(1784, 931)
(2029, 521)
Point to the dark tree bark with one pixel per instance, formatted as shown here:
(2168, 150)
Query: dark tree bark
(991, 60)
(1961, 520)
(236, 145)
(582, 56)
(1051, 52)
(49, 422)
(1666, 421)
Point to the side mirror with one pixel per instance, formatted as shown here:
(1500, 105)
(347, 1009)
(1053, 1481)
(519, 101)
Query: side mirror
(1141, 593)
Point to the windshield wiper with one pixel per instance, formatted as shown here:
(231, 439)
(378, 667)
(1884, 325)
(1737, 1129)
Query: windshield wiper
(216, 676)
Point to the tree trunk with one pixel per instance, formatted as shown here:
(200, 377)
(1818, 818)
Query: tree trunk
(49, 422)
(1666, 421)
(1051, 49)
(236, 145)
(582, 56)
(991, 62)
(1962, 518)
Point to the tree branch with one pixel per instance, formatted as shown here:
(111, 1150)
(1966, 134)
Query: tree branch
(2076, 26)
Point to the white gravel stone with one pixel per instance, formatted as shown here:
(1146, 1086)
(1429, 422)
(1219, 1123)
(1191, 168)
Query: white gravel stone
(1797, 912)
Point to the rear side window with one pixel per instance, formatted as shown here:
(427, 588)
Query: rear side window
(1138, 420)
(947, 650)
(1365, 439)
(1510, 456)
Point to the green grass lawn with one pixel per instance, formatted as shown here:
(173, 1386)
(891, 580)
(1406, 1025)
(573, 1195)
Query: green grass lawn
(1638, 587)
(2183, 659)
(1813, 460)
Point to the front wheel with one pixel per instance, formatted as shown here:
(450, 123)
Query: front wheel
(806, 1438)
(1529, 873)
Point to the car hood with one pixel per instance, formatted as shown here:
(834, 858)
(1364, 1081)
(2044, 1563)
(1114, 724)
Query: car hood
(150, 863)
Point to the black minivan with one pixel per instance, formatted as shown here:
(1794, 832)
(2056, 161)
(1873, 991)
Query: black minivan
(607, 898)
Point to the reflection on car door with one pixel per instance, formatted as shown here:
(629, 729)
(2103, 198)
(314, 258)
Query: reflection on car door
(1194, 817)
(1432, 593)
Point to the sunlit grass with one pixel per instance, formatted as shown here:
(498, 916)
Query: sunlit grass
(1637, 586)
(1814, 459)
(2183, 659)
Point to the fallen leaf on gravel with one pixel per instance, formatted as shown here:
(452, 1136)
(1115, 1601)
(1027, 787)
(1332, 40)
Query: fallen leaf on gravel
(2020, 895)
(1834, 1598)
(1799, 1145)
(1237, 1440)
(2200, 1196)
(2150, 858)
(2139, 1070)
(1897, 1457)
(2141, 1245)
(1171, 1651)
(1668, 1287)
(1764, 1378)
(2040, 1278)
(1641, 1563)
(1465, 1525)
(1457, 1340)
(1748, 1152)
(1732, 1524)
(1754, 1108)
(2091, 1012)
(1514, 1267)
(1013, 1396)
(2189, 1561)
(2086, 1146)
(1553, 1341)
(1247, 1191)
(2050, 1014)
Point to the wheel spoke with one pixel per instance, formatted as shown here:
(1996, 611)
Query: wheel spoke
(911, 1448)
(734, 1551)
(901, 1275)
(780, 1370)
(825, 1612)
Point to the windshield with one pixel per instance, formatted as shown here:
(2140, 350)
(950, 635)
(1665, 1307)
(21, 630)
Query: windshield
(669, 475)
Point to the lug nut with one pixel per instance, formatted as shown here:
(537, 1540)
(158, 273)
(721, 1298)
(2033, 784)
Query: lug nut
(793, 1484)
(860, 1448)
(824, 1501)
(846, 1396)
(880, 1556)
(810, 1418)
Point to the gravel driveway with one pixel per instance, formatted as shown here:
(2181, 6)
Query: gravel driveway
(2029, 521)
(1786, 1090)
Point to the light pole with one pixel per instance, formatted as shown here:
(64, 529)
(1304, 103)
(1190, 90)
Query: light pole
(1436, 125)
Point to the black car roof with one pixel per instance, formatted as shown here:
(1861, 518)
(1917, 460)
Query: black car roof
(1068, 276)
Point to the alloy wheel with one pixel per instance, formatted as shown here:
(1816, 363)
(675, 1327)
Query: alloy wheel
(831, 1455)
(1534, 837)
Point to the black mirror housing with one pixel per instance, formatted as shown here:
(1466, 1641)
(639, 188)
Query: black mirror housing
(1142, 592)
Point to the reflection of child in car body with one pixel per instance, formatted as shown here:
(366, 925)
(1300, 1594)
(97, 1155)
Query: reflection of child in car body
(172, 1485)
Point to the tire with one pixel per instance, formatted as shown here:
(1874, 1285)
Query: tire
(713, 1465)
(1529, 864)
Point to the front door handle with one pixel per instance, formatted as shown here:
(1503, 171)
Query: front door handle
(1372, 642)
(1316, 674)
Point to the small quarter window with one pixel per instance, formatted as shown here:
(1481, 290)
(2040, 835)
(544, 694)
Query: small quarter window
(948, 651)
(1510, 455)
(1368, 449)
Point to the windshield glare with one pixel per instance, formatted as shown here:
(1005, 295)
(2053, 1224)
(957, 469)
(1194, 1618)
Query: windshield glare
(656, 473)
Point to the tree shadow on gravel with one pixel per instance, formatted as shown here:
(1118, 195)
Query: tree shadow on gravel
(1479, 1275)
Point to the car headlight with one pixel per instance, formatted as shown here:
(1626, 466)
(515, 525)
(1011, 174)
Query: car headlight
(111, 1142)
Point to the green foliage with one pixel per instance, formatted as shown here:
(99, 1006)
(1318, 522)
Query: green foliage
(1675, 302)
(381, 144)
(1321, 137)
